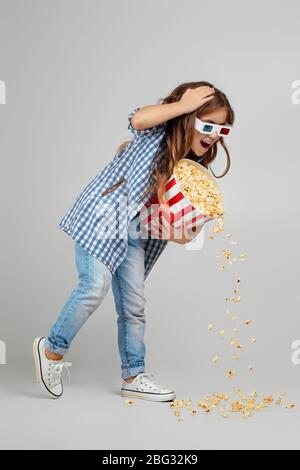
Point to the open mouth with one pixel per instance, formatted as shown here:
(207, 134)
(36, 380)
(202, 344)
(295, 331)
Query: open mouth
(204, 144)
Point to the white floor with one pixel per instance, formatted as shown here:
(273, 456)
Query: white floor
(91, 416)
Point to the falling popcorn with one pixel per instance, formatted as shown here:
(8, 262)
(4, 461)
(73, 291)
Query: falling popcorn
(236, 406)
(219, 227)
(129, 402)
(243, 405)
(227, 254)
(230, 374)
(223, 413)
(205, 406)
(279, 400)
(240, 394)
(222, 396)
(290, 406)
(234, 342)
(268, 400)
(215, 401)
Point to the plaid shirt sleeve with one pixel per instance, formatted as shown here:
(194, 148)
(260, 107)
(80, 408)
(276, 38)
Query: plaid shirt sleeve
(147, 132)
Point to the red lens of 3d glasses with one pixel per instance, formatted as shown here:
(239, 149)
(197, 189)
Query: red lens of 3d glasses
(224, 131)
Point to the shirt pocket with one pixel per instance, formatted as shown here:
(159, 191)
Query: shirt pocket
(113, 187)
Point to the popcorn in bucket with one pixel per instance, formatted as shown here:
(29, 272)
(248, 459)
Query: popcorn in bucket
(192, 199)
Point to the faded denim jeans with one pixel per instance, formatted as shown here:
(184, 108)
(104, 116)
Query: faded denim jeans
(95, 279)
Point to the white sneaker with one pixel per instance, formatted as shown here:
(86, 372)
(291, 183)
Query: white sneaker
(144, 387)
(48, 373)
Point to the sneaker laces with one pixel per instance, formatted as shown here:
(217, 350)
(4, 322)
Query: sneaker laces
(147, 375)
(150, 376)
(56, 371)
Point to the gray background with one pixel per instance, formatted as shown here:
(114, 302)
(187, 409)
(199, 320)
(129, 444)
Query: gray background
(73, 70)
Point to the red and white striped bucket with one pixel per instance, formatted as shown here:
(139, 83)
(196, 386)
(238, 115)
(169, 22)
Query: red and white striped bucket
(178, 211)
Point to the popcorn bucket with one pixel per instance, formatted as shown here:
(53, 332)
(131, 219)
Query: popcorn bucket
(178, 211)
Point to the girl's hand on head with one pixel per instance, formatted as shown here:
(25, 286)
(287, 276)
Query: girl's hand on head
(193, 98)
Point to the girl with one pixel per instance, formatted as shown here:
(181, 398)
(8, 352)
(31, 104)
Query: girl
(163, 134)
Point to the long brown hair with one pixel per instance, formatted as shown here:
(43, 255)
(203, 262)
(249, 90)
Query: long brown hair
(179, 135)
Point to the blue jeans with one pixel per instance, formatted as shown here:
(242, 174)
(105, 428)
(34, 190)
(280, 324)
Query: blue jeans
(95, 279)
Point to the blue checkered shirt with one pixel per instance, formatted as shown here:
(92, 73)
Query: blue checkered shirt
(131, 170)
